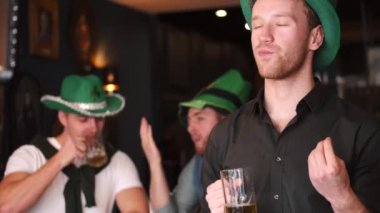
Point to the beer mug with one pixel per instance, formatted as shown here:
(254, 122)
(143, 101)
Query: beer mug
(96, 155)
(239, 193)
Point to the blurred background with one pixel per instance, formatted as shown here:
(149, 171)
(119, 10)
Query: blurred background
(156, 53)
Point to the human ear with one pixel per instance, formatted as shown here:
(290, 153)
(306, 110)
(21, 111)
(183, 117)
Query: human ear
(316, 38)
(62, 117)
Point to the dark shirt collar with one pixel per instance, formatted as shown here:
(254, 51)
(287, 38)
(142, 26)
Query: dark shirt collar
(313, 100)
(258, 104)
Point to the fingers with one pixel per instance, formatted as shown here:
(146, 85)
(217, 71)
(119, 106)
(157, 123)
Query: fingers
(327, 172)
(148, 144)
(145, 132)
(215, 196)
(317, 156)
(149, 134)
(80, 145)
(143, 127)
(329, 153)
(323, 155)
(73, 148)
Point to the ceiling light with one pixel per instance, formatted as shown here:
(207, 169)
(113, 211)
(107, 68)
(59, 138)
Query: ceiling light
(221, 13)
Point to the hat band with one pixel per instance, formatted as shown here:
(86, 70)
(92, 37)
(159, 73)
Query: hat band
(76, 105)
(223, 94)
(89, 106)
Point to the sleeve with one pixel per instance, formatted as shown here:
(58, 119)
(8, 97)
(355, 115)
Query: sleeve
(217, 147)
(170, 207)
(365, 176)
(125, 172)
(213, 160)
(27, 158)
(184, 197)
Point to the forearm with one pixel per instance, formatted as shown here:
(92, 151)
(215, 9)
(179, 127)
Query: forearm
(132, 200)
(159, 190)
(19, 191)
(348, 203)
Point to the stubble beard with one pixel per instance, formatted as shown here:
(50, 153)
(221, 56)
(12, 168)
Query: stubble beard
(281, 67)
(284, 62)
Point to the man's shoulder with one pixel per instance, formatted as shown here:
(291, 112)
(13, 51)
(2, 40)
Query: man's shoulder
(189, 167)
(244, 112)
(354, 113)
(226, 127)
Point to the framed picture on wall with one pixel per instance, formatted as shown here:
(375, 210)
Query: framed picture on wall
(44, 28)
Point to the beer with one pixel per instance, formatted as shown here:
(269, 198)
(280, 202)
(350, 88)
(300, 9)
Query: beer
(96, 155)
(97, 161)
(244, 208)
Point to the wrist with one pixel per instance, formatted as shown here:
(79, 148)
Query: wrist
(61, 159)
(155, 166)
(57, 160)
(154, 161)
(348, 202)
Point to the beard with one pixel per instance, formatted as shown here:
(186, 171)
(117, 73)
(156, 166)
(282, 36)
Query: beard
(281, 66)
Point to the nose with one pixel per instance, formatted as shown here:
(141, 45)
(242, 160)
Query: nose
(265, 33)
(93, 125)
(190, 127)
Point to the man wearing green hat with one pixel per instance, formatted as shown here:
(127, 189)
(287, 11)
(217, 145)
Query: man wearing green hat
(309, 150)
(74, 171)
(200, 115)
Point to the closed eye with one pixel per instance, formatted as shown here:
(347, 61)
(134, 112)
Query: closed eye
(256, 26)
(282, 25)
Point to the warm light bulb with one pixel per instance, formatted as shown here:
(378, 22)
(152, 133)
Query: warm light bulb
(221, 13)
(99, 58)
(110, 88)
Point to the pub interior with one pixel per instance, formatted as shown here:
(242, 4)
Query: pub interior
(159, 59)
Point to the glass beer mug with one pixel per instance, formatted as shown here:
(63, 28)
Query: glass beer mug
(239, 193)
(96, 155)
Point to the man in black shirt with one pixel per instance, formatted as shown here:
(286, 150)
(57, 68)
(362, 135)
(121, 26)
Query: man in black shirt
(309, 150)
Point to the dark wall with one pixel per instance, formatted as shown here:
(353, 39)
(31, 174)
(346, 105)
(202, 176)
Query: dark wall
(128, 35)
(47, 72)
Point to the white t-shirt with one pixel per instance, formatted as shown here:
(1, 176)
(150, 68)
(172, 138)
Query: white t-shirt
(119, 174)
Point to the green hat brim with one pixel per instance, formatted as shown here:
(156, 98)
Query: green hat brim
(326, 54)
(209, 100)
(225, 94)
(114, 104)
(202, 102)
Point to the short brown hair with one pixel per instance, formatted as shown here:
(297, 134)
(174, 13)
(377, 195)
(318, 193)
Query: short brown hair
(312, 18)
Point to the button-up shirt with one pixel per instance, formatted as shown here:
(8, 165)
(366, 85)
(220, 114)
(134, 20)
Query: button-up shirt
(247, 138)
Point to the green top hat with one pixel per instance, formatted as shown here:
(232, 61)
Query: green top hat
(331, 27)
(83, 95)
(226, 94)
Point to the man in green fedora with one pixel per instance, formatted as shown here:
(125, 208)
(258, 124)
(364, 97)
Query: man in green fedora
(200, 115)
(74, 171)
(309, 150)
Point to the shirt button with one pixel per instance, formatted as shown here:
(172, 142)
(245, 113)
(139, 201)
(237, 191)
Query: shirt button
(278, 159)
(276, 197)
